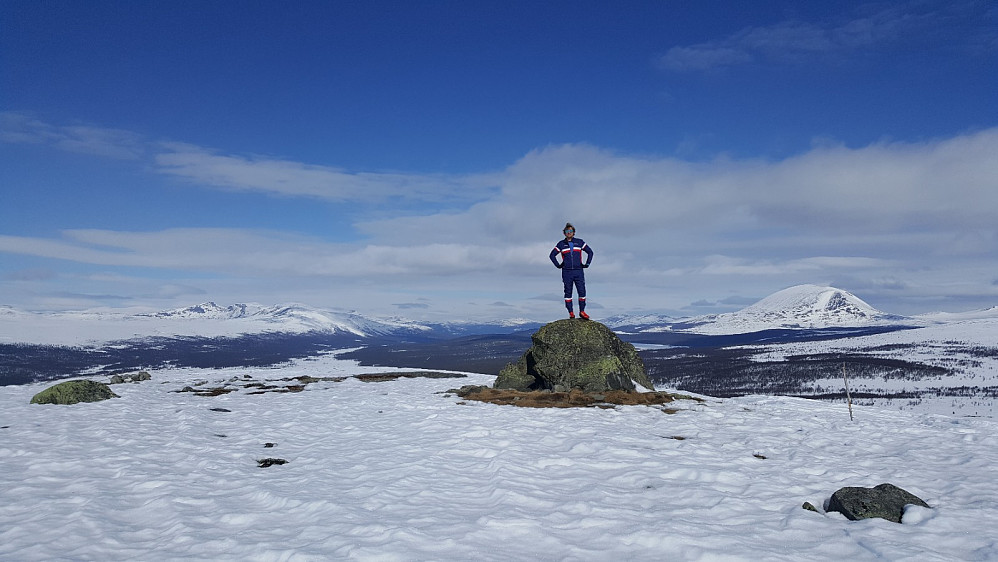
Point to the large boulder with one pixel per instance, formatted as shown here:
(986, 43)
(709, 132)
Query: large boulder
(885, 501)
(72, 392)
(571, 354)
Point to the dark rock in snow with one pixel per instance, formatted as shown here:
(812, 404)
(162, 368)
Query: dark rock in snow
(571, 354)
(130, 377)
(73, 392)
(885, 501)
(268, 462)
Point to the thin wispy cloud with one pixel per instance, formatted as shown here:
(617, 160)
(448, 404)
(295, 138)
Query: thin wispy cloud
(297, 179)
(726, 265)
(253, 253)
(801, 41)
(22, 128)
(411, 305)
(274, 176)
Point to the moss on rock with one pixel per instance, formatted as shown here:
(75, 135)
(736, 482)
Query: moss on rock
(606, 373)
(575, 354)
(515, 376)
(72, 392)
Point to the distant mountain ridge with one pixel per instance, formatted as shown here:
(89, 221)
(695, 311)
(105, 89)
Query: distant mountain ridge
(203, 310)
(305, 318)
(801, 307)
(292, 318)
(52, 345)
(983, 314)
(203, 320)
(210, 320)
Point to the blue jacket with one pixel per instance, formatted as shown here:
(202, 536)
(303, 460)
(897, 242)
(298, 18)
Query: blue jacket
(571, 254)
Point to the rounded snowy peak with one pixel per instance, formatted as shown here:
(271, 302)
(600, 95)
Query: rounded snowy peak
(808, 302)
(798, 307)
(201, 311)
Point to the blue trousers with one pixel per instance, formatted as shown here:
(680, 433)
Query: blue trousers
(576, 278)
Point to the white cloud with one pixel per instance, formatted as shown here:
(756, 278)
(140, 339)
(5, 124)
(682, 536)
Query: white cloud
(22, 128)
(838, 191)
(903, 211)
(704, 56)
(734, 266)
(256, 253)
(290, 178)
(799, 41)
(263, 174)
(895, 218)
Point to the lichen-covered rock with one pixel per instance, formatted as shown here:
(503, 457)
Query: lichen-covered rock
(885, 501)
(571, 354)
(130, 377)
(605, 373)
(514, 376)
(72, 392)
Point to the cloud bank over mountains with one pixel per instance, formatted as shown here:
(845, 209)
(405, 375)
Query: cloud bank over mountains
(902, 223)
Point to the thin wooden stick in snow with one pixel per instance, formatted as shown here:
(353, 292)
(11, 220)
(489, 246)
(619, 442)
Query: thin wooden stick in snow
(848, 396)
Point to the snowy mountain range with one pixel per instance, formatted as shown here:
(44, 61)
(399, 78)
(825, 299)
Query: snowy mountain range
(291, 318)
(794, 342)
(802, 307)
(204, 320)
(799, 307)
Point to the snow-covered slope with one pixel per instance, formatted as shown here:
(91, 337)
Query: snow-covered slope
(641, 322)
(966, 352)
(399, 471)
(204, 320)
(799, 307)
(984, 314)
(203, 311)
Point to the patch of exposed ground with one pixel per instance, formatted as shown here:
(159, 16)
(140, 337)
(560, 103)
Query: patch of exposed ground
(575, 398)
(383, 377)
(298, 384)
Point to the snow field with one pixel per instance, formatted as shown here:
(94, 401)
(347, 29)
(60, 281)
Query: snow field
(948, 346)
(397, 471)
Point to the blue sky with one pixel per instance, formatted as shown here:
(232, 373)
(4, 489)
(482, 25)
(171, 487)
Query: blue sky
(420, 159)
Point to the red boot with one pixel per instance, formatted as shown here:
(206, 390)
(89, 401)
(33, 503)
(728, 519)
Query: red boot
(583, 314)
(571, 314)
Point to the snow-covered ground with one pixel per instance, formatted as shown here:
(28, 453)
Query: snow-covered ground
(969, 346)
(398, 471)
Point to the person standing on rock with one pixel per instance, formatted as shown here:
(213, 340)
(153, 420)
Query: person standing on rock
(571, 267)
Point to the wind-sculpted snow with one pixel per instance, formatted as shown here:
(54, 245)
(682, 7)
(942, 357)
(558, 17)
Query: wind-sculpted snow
(399, 470)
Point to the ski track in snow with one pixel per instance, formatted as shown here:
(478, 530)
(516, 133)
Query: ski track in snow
(397, 471)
